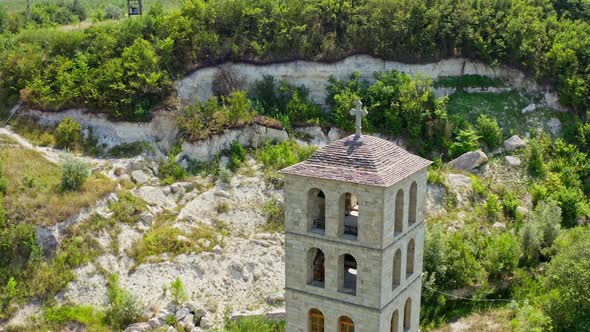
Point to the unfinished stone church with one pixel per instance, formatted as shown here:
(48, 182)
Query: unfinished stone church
(354, 224)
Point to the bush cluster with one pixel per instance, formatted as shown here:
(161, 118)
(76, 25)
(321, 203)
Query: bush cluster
(125, 68)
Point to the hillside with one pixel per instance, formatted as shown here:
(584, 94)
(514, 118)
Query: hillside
(139, 184)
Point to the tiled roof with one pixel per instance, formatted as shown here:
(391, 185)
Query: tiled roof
(365, 160)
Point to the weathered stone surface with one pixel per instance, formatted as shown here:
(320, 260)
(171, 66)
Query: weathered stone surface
(138, 327)
(522, 210)
(155, 322)
(435, 195)
(554, 126)
(469, 160)
(155, 196)
(513, 143)
(529, 108)
(139, 177)
(458, 181)
(499, 226)
(46, 240)
(181, 313)
(513, 161)
(275, 298)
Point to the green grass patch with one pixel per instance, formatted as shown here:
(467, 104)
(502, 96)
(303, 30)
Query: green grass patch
(57, 317)
(506, 107)
(254, 324)
(164, 237)
(34, 192)
(471, 81)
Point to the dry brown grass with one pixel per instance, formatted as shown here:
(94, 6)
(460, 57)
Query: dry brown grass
(488, 321)
(34, 193)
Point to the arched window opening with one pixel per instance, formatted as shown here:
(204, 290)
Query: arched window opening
(394, 321)
(413, 204)
(397, 268)
(316, 321)
(345, 324)
(350, 211)
(410, 258)
(407, 314)
(348, 274)
(315, 267)
(399, 212)
(316, 206)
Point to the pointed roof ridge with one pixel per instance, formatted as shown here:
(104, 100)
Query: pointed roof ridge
(367, 160)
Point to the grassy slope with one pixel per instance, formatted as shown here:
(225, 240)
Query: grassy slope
(507, 108)
(34, 193)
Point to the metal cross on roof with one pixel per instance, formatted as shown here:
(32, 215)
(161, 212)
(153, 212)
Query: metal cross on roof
(360, 113)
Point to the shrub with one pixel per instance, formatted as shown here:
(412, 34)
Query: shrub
(128, 208)
(47, 139)
(275, 215)
(501, 255)
(225, 175)
(238, 108)
(123, 309)
(68, 133)
(254, 324)
(530, 319)
(510, 204)
(222, 207)
(74, 173)
(237, 154)
(170, 171)
(112, 12)
(283, 155)
(547, 216)
(536, 166)
(530, 241)
(489, 131)
(177, 291)
(492, 206)
(466, 140)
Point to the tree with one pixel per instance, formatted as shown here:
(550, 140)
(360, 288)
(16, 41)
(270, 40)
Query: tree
(530, 241)
(465, 141)
(547, 216)
(68, 133)
(489, 131)
(568, 281)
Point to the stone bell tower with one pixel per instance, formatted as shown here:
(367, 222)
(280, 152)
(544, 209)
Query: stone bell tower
(354, 231)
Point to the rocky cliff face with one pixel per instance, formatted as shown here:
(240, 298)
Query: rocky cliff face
(315, 75)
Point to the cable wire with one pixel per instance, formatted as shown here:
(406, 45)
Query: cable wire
(468, 299)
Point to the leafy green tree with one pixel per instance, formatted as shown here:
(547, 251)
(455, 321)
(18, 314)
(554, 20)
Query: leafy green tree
(568, 281)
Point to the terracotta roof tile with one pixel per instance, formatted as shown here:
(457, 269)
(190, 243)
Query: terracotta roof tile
(365, 160)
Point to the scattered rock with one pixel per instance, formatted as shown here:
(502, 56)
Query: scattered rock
(522, 210)
(554, 126)
(484, 230)
(217, 249)
(139, 177)
(167, 190)
(222, 193)
(277, 314)
(529, 108)
(136, 163)
(513, 143)
(113, 198)
(155, 196)
(146, 218)
(183, 163)
(499, 226)
(188, 321)
(459, 181)
(138, 327)
(435, 195)
(181, 313)
(469, 160)
(513, 161)
(275, 299)
(155, 323)
(497, 150)
(177, 188)
(205, 323)
(171, 329)
(46, 240)
(223, 161)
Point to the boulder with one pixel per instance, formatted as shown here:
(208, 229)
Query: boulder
(155, 323)
(113, 198)
(522, 210)
(499, 226)
(513, 143)
(529, 108)
(181, 313)
(188, 321)
(139, 177)
(46, 240)
(469, 160)
(435, 195)
(459, 181)
(554, 126)
(217, 249)
(155, 196)
(136, 163)
(513, 161)
(275, 298)
(138, 327)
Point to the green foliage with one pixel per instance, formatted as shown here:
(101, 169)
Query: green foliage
(61, 315)
(530, 319)
(492, 206)
(398, 104)
(128, 208)
(67, 133)
(237, 154)
(530, 241)
(568, 281)
(275, 215)
(489, 131)
(254, 324)
(123, 309)
(128, 150)
(278, 156)
(282, 100)
(501, 255)
(198, 121)
(177, 291)
(468, 81)
(74, 173)
(547, 217)
(536, 165)
(225, 175)
(170, 171)
(510, 204)
(466, 140)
